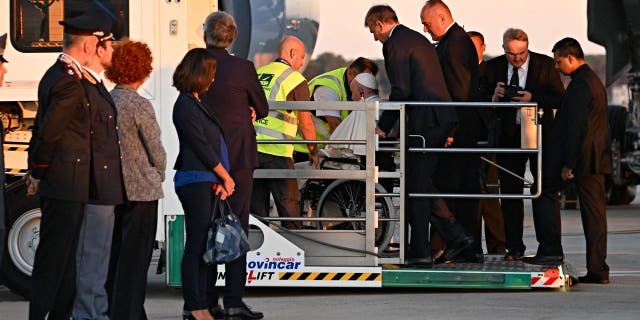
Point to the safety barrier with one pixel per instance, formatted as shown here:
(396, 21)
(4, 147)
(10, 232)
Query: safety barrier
(370, 253)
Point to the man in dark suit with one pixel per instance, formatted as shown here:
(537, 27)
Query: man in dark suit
(458, 173)
(106, 187)
(579, 153)
(489, 209)
(236, 99)
(535, 74)
(59, 162)
(412, 64)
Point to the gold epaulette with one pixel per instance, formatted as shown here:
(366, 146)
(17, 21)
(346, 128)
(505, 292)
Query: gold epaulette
(87, 75)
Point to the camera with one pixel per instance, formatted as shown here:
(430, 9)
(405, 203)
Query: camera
(510, 92)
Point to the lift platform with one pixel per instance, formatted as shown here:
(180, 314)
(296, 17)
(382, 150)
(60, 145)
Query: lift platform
(282, 264)
(355, 218)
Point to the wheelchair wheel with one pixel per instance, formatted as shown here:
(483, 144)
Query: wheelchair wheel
(346, 198)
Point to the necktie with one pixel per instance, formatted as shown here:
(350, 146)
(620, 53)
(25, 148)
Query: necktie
(515, 79)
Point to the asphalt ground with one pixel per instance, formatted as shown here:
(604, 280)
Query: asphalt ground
(618, 300)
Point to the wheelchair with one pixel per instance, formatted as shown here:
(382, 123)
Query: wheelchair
(328, 198)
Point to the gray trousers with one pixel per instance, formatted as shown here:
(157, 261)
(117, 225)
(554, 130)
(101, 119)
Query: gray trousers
(92, 260)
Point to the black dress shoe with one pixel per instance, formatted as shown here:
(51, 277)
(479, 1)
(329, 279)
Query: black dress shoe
(419, 262)
(217, 312)
(588, 278)
(544, 260)
(242, 312)
(455, 247)
(513, 256)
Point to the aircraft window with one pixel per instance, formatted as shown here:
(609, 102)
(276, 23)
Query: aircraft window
(35, 27)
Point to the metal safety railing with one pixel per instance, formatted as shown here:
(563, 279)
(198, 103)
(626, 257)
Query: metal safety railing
(368, 175)
(371, 174)
(402, 108)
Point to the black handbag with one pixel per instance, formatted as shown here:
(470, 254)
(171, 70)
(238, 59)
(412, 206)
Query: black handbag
(226, 239)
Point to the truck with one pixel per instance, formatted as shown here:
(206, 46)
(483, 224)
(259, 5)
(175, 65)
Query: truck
(170, 28)
(358, 225)
(616, 26)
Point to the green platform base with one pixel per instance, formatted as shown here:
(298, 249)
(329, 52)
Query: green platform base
(490, 275)
(175, 250)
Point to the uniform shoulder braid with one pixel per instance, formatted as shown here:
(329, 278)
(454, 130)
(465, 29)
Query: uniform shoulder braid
(70, 67)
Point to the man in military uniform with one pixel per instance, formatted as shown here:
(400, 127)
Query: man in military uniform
(105, 188)
(59, 163)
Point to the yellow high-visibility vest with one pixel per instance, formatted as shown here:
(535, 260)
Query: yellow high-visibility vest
(335, 81)
(277, 80)
(322, 133)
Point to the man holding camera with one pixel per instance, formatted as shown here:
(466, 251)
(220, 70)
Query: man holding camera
(520, 76)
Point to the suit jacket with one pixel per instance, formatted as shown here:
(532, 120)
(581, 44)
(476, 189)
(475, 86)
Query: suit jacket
(415, 75)
(106, 173)
(543, 81)
(144, 160)
(199, 133)
(235, 88)
(59, 150)
(581, 129)
(459, 62)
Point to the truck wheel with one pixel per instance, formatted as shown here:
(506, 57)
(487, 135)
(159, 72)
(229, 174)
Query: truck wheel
(620, 195)
(23, 236)
(617, 116)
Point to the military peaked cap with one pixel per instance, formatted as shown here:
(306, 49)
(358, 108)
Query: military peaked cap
(94, 22)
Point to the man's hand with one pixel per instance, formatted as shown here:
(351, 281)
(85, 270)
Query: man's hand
(448, 142)
(498, 92)
(526, 96)
(32, 184)
(253, 113)
(567, 173)
(380, 132)
(314, 158)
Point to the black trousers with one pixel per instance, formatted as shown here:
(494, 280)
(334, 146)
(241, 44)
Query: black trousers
(236, 271)
(53, 280)
(547, 222)
(513, 209)
(419, 172)
(196, 199)
(591, 193)
(132, 247)
(285, 191)
(490, 211)
(459, 173)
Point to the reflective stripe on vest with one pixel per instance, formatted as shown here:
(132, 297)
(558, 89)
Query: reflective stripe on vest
(277, 80)
(332, 79)
(322, 133)
(335, 81)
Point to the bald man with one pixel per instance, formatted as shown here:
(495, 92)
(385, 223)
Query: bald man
(282, 81)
